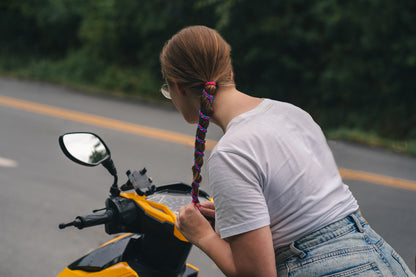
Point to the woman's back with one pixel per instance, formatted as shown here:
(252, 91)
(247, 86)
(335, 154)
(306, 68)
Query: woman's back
(280, 171)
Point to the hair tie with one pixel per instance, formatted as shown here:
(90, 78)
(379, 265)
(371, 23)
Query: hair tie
(209, 96)
(210, 83)
(199, 152)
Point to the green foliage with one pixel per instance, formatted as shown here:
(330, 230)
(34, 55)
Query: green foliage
(349, 63)
(372, 139)
(38, 26)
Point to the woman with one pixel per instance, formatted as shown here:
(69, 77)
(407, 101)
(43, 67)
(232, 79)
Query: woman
(280, 204)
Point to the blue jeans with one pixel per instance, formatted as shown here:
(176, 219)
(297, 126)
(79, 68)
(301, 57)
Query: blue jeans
(348, 247)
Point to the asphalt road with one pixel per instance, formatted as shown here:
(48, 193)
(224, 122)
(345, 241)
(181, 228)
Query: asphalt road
(41, 188)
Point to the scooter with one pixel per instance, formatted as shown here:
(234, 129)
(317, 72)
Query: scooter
(144, 215)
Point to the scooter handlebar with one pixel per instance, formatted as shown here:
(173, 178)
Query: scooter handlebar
(89, 220)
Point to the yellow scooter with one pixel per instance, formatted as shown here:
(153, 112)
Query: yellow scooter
(150, 244)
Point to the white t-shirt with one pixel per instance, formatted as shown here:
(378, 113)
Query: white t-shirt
(273, 167)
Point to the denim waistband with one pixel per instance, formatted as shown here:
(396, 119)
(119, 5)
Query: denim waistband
(332, 231)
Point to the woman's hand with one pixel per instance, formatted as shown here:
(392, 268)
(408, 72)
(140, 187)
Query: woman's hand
(208, 210)
(193, 225)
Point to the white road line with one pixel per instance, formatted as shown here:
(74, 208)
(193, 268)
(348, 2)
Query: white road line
(7, 163)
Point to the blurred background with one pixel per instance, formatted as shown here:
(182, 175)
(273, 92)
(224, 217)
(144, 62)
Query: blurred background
(351, 64)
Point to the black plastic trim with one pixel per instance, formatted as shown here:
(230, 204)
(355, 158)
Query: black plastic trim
(181, 188)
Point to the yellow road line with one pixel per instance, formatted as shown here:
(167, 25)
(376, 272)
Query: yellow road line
(174, 137)
(102, 122)
(377, 179)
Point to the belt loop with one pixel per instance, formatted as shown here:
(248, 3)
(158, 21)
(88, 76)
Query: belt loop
(365, 220)
(296, 250)
(357, 223)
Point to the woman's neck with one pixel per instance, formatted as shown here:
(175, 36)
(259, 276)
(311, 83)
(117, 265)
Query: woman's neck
(229, 103)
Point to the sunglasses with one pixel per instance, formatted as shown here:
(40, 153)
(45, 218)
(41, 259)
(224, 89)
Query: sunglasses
(165, 91)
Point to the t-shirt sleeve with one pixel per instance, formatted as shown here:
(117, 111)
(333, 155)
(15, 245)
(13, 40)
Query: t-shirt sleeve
(240, 205)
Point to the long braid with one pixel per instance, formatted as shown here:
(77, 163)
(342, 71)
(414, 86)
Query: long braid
(205, 112)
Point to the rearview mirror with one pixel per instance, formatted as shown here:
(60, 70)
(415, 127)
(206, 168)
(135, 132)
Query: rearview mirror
(84, 148)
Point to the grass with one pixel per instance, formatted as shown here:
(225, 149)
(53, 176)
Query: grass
(373, 140)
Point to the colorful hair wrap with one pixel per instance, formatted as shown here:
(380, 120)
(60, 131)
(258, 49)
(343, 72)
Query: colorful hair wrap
(199, 153)
(200, 140)
(202, 128)
(195, 184)
(203, 116)
(197, 166)
(195, 199)
(208, 96)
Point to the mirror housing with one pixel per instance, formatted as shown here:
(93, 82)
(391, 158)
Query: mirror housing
(90, 150)
(84, 148)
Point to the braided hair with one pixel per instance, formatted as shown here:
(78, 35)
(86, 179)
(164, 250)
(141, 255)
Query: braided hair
(198, 59)
(205, 113)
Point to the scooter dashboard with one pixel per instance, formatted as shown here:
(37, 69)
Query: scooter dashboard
(173, 200)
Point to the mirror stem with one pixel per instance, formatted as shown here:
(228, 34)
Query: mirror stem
(114, 190)
(109, 164)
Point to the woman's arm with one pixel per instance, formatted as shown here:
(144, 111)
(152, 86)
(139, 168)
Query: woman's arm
(247, 254)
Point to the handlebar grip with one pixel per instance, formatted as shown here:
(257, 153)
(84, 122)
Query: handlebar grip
(64, 225)
(90, 220)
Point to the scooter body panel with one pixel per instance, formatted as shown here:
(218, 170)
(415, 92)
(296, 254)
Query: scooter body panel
(118, 270)
(127, 255)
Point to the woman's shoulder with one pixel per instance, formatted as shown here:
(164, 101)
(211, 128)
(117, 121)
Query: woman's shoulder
(247, 132)
(270, 123)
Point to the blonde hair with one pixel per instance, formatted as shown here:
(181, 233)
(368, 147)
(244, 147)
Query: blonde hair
(198, 58)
